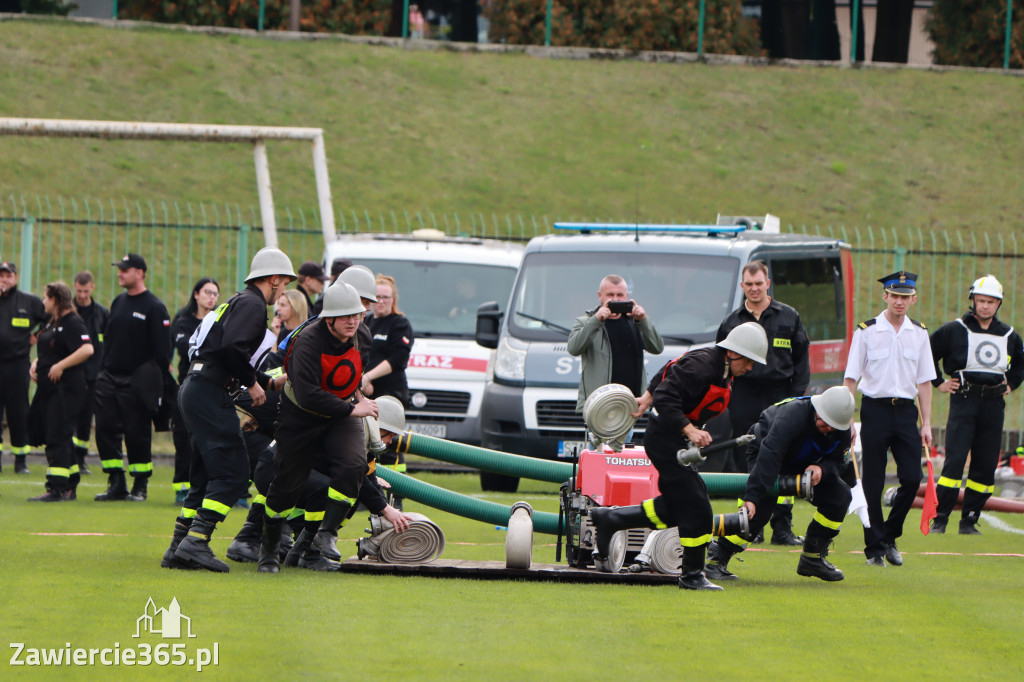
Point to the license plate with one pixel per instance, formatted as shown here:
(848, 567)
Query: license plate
(435, 430)
(569, 448)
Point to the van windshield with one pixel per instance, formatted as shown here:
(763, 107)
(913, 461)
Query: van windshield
(440, 299)
(686, 296)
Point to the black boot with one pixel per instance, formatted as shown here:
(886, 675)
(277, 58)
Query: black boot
(782, 527)
(692, 577)
(719, 553)
(609, 520)
(20, 467)
(968, 523)
(270, 545)
(939, 523)
(299, 547)
(326, 539)
(287, 541)
(813, 563)
(245, 548)
(117, 489)
(313, 560)
(140, 489)
(50, 495)
(196, 546)
(181, 526)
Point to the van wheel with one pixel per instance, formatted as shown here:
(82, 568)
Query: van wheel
(498, 483)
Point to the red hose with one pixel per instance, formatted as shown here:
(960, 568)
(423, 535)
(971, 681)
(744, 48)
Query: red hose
(992, 503)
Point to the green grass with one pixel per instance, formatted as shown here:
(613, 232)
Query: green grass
(939, 616)
(445, 132)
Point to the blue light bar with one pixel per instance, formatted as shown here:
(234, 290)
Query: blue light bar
(642, 227)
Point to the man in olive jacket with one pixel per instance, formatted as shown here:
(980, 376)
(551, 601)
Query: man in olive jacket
(611, 345)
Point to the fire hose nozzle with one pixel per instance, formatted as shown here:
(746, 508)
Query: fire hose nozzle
(799, 485)
(695, 455)
(736, 523)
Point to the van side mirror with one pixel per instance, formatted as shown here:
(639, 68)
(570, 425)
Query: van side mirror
(488, 322)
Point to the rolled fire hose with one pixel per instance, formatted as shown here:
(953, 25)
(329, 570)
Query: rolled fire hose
(663, 550)
(607, 414)
(421, 543)
(495, 461)
(991, 504)
(519, 539)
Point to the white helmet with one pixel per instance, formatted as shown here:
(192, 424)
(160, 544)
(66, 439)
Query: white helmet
(341, 299)
(835, 407)
(361, 280)
(987, 286)
(390, 414)
(749, 340)
(269, 261)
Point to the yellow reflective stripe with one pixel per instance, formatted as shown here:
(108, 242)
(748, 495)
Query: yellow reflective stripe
(786, 500)
(335, 495)
(400, 468)
(782, 343)
(737, 540)
(828, 523)
(274, 373)
(980, 487)
(314, 516)
(177, 487)
(74, 469)
(271, 514)
(58, 471)
(652, 516)
(695, 542)
(99, 337)
(24, 450)
(112, 464)
(146, 467)
(219, 310)
(79, 442)
(259, 499)
(197, 534)
(188, 513)
(214, 505)
(948, 482)
(19, 322)
(295, 513)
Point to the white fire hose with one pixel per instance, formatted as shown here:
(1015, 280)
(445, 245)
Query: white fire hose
(519, 539)
(421, 543)
(662, 551)
(607, 414)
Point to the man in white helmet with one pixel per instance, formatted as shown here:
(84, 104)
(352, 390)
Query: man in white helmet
(223, 351)
(320, 423)
(687, 393)
(791, 437)
(984, 359)
(891, 363)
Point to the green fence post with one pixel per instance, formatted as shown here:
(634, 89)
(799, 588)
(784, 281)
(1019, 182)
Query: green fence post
(243, 253)
(547, 25)
(405, 19)
(114, 15)
(853, 32)
(1009, 21)
(700, 30)
(25, 276)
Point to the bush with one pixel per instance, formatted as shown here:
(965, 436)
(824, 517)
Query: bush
(354, 17)
(669, 25)
(973, 32)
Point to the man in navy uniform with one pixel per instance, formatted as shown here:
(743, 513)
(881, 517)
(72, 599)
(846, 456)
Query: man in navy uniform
(891, 358)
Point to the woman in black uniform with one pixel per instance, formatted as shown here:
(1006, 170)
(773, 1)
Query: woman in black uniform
(204, 299)
(58, 370)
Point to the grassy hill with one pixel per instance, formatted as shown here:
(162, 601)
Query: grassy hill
(421, 130)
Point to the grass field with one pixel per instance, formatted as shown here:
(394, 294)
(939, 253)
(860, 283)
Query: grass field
(82, 573)
(418, 130)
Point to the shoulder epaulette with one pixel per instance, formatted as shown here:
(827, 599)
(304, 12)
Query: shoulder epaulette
(919, 324)
(867, 323)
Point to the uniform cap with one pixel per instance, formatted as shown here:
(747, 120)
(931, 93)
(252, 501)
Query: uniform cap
(131, 260)
(9, 267)
(901, 282)
(314, 270)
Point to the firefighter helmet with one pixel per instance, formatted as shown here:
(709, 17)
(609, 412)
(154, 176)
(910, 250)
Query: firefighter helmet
(749, 340)
(835, 407)
(390, 414)
(269, 261)
(341, 299)
(987, 286)
(362, 280)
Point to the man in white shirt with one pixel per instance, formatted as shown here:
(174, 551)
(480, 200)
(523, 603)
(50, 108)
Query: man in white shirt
(892, 359)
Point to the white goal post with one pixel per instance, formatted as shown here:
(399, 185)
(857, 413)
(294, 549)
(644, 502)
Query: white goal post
(198, 132)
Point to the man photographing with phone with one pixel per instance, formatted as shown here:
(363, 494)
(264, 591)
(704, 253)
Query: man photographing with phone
(610, 341)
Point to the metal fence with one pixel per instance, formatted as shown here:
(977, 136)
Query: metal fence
(52, 239)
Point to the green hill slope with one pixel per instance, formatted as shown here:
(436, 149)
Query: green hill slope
(411, 130)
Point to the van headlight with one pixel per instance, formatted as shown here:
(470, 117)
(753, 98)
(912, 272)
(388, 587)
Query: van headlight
(510, 363)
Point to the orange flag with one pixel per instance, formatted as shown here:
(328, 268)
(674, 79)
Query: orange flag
(931, 500)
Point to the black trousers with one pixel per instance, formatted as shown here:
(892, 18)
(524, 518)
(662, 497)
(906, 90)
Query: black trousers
(83, 425)
(975, 426)
(885, 427)
(336, 447)
(121, 415)
(684, 498)
(831, 498)
(219, 470)
(50, 415)
(14, 383)
(182, 449)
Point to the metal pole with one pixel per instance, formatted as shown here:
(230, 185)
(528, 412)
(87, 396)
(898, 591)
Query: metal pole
(323, 189)
(25, 276)
(114, 17)
(855, 8)
(259, 149)
(405, 19)
(547, 26)
(243, 253)
(700, 30)
(259, 26)
(1009, 20)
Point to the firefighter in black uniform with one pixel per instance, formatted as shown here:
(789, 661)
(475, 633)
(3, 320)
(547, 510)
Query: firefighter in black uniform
(689, 392)
(984, 358)
(130, 386)
(791, 437)
(95, 317)
(21, 314)
(223, 353)
(319, 424)
(787, 374)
